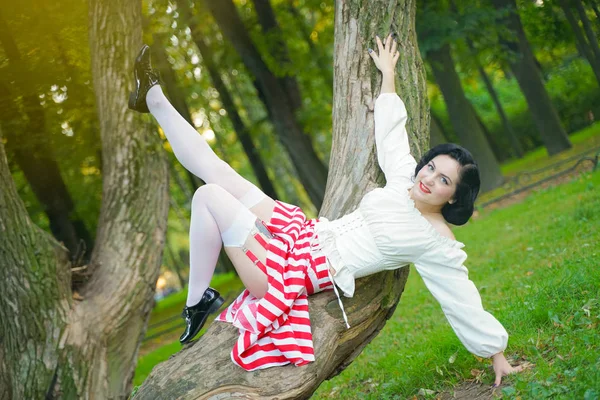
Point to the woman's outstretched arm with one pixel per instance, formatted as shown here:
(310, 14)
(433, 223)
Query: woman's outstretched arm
(391, 138)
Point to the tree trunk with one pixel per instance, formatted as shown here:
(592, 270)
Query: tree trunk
(56, 347)
(463, 119)
(278, 47)
(436, 134)
(530, 81)
(30, 144)
(589, 31)
(242, 132)
(514, 141)
(353, 172)
(311, 170)
(580, 41)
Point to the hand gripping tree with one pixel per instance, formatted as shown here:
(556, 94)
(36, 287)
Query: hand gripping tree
(204, 369)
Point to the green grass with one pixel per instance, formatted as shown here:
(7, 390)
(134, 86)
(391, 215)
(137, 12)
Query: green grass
(228, 285)
(536, 265)
(583, 141)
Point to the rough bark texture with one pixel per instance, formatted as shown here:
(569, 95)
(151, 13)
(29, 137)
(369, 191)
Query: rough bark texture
(463, 118)
(36, 297)
(55, 347)
(311, 171)
(203, 369)
(523, 65)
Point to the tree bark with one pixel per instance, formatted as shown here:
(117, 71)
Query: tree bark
(30, 144)
(580, 41)
(524, 67)
(311, 170)
(463, 119)
(56, 347)
(353, 172)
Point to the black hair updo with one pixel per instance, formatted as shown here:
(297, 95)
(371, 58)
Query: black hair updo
(467, 188)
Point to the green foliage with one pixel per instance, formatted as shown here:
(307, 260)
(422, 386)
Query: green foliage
(55, 67)
(534, 265)
(572, 88)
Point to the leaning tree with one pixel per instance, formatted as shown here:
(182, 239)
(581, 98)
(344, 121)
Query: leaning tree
(203, 369)
(55, 345)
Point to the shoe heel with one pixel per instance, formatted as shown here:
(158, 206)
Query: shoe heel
(216, 305)
(132, 100)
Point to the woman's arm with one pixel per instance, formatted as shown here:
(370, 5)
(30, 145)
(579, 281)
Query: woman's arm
(393, 151)
(385, 62)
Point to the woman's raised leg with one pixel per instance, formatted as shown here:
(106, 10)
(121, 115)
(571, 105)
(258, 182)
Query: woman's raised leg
(194, 153)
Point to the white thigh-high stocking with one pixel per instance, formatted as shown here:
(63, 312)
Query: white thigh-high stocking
(217, 217)
(195, 154)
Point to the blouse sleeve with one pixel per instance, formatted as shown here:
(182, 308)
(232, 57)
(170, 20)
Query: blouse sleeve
(391, 139)
(477, 329)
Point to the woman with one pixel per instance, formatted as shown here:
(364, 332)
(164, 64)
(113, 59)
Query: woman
(281, 257)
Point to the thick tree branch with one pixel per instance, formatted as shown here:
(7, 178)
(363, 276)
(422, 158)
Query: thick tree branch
(203, 369)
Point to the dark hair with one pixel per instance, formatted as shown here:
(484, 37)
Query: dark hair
(467, 188)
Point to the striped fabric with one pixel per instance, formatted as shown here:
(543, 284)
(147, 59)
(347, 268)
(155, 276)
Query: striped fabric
(275, 330)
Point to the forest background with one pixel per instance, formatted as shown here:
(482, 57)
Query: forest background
(484, 89)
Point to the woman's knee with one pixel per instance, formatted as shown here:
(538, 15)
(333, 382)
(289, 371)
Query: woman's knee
(206, 194)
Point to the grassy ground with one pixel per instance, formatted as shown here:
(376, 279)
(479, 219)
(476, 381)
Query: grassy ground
(586, 141)
(536, 266)
(158, 350)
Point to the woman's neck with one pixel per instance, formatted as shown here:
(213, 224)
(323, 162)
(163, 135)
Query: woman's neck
(424, 208)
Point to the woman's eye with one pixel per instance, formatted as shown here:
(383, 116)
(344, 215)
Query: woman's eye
(430, 166)
(444, 181)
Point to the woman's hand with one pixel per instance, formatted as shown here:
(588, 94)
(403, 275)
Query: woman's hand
(386, 60)
(503, 368)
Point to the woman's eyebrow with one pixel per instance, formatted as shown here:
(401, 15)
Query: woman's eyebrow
(444, 175)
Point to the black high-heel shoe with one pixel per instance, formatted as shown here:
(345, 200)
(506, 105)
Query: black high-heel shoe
(145, 78)
(195, 316)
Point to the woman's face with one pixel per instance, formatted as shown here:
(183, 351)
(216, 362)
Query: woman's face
(435, 184)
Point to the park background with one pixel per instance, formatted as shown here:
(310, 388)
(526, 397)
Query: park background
(533, 256)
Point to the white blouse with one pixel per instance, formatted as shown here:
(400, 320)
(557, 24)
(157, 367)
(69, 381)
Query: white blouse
(387, 231)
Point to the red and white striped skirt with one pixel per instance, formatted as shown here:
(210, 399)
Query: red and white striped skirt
(275, 330)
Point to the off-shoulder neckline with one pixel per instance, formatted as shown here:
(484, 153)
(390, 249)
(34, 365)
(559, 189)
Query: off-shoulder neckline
(429, 228)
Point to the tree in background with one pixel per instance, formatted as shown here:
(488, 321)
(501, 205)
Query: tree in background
(281, 104)
(587, 43)
(352, 172)
(523, 65)
(58, 346)
(436, 29)
(29, 143)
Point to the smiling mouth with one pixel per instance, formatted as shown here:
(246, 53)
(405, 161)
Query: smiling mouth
(423, 188)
